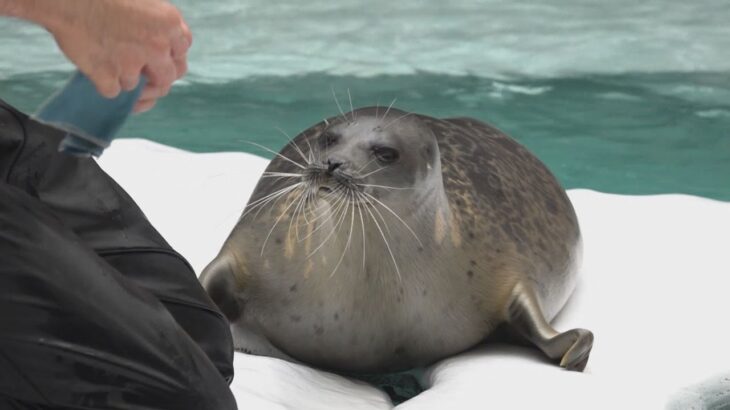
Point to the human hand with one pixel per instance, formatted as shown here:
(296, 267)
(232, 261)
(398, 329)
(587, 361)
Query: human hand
(114, 41)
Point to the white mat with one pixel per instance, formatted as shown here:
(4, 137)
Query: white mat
(654, 291)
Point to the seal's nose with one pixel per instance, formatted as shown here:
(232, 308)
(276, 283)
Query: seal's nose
(332, 165)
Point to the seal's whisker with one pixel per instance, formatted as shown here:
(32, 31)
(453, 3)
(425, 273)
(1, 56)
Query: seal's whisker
(385, 224)
(292, 142)
(310, 156)
(273, 194)
(280, 175)
(310, 200)
(339, 107)
(387, 187)
(284, 157)
(312, 209)
(397, 119)
(284, 212)
(337, 191)
(311, 151)
(373, 172)
(332, 232)
(377, 108)
(313, 192)
(389, 107)
(317, 216)
(329, 215)
(323, 214)
(268, 198)
(339, 226)
(387, 208)
(271, 202)
(276, 178)
(365, 166)
(296, 216)
(352, 109)
(349, 236)
(339, 203)
(362, 225)
(387, 245)
(307, 205)
(344, 212)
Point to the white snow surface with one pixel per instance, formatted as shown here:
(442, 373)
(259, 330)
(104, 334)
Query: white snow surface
(654, 291)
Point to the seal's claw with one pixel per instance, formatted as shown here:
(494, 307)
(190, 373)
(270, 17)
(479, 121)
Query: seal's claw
(578, 366)
(576, 357)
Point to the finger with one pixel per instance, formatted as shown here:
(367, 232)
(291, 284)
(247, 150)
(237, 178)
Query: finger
(106, 81)
(150, 92)
(181, 41)
(153, 91)
(161, 75)
(144, 105)
(179, 47)
(181, 67)
(129, 82)
(130, 64)
(187, 33)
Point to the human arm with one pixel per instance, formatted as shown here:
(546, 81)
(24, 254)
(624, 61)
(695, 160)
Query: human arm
(114, 41)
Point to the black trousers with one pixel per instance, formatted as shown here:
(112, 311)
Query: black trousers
(96, 309)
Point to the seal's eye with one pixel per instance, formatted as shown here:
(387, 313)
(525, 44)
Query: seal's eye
(386, 155)
(328, 139)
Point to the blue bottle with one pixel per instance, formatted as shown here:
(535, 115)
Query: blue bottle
(90, 120)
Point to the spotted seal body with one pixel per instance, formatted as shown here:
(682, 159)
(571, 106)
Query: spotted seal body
(383, 241)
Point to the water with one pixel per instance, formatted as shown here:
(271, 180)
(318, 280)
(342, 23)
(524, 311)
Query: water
(614, 96)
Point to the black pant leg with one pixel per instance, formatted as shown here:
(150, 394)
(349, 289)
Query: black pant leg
(76, 333)
(105, 218)
(7, 403)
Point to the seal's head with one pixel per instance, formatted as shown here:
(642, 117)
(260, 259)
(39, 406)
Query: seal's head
(363, 156)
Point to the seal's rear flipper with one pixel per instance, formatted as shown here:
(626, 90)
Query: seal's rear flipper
(219, 281)
(572, 347)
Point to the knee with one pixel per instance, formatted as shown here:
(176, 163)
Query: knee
(210, 331)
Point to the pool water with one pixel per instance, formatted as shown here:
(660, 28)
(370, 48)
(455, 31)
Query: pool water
(618, 97)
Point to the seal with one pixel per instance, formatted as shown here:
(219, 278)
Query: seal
(381, 241)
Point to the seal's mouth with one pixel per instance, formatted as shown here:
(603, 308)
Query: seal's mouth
(338, 193)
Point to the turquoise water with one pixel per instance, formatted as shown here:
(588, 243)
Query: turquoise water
(619, 97)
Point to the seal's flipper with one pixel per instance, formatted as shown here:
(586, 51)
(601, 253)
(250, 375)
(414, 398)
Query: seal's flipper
(219, 281)
(249, 339)
(572, 347)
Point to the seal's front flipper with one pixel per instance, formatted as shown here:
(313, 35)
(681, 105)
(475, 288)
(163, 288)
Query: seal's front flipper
(220, 282)
(249, 338)
(572, 347)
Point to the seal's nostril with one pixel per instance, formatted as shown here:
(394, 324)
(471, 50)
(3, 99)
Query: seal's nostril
(332, 166)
